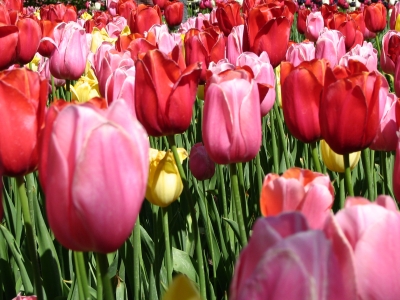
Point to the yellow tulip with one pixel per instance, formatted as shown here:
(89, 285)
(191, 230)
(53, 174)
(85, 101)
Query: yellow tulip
(397, 26)
(334, 161)
(125, 31)
(164, 185)
(86, 88)
(181, 288)
(98, 37)
(278, 85)
(86, 16)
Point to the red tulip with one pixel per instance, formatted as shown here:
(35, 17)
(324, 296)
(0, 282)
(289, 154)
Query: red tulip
(297, 189)
(173, 13)
(302, 15)
(144, 18)
(126, 7)
(8, 40)
(268, 29)
(164, 94)
(23, 97)
(200, 163)
(229, 16)
(375, 17)
(58, 13)
(29, 38)
(349, 109)
(93, 199)
(301, 105)
(46, 46)
(390, 51)
(232, 104)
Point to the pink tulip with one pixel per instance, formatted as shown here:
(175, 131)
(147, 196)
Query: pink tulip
(97, 168)
(314, 25)
(387, 64)
(121, 85)
(301, 190)
(200, 164)
(371, 233)
(297, 53)
(286, 260)
(330, 45)
(366, 54)
(386, 138)
(232, 105)
(234, 46)
(264, 76)
(19, 297)
(68, 61)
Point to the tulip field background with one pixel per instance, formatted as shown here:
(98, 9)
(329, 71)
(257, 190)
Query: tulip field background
(249, 151)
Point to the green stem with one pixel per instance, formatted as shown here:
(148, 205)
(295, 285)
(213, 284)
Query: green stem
(168, 256)
(68, 90)
(238, 205)
(275, 154)
(378, 46)
(30, 237)
(315, 156)
(102, 262)
(137, 255)
(342, 192)
(383, 171)
(347, 174)
(258, 172)
(53, 88)
(100, 290)
(81, 274)
(365, 157)
(239, 168)
(199, 250)
(282, 136)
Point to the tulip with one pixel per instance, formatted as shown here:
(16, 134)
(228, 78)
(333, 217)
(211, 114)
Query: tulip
(68, 60)
(232, 104)
(121, 85)
(301, 106)
(228, 16)
(390, 51)
(360, 234)
(297, 189)
(173, 13)
(164, 185)
(386, 138)
(160, 86)
(330, 45)
(334, 161)
(93, 200)
(297, 53)
(394, 15)
(375, 17)
(234, 45)
(144, 18)
(302, 15)
(348, 27)
(268, 29)
(264, 76)
(200, 163)
(58, 12)
(28, 39)
(314, 23)
(19, 297)
(181, 288)
(366, 54)
(126, 7)
(46, 46)
(8, 40)
(86, 88)
(23, 97)
(285, 259)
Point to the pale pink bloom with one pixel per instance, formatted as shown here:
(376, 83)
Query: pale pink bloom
(115, 27)
(285, 259)
(314, 25)
(234, 46)
(221, 66)
(97, 172)
(330, 45)
(165, 40)
(366, 54)
(264, 76)
(297, 53)
(112, 7)
(194, 22)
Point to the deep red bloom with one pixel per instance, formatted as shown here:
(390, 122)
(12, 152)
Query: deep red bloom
(173, 13)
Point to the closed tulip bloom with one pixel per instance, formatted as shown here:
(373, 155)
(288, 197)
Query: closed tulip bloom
(46, 46)
(164, 94)
(334, 161)
(350, 109)
(394, 15)
(375, 17)
(93, 199)
(164, 185)
(386, 138)
(29, 37)
(301, 107)
(285, 259)
(302, 15)
(314, 25)
(23, 96)
(298, 189)
(144, 18)
(366, 54)
(200, 163)
(68, 60)
(232, 105)
(297, 53)
(390, 51)
(330, 45)
(228, 15)
(234, 45)
(173, 13)
(8, 40)
(58, 13)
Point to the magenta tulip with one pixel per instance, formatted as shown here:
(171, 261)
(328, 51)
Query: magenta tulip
(92, 198)
(314, 25)
(68, 61)
(232, 105)
(330, 45)
(286, 260)
(200, 164)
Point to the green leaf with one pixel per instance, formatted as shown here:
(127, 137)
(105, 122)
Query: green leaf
(183, 264)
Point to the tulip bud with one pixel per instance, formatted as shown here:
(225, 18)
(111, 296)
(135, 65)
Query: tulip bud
(173, 13)
(334, 161)
(181, 288)
(200, 164)
(165, 184)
